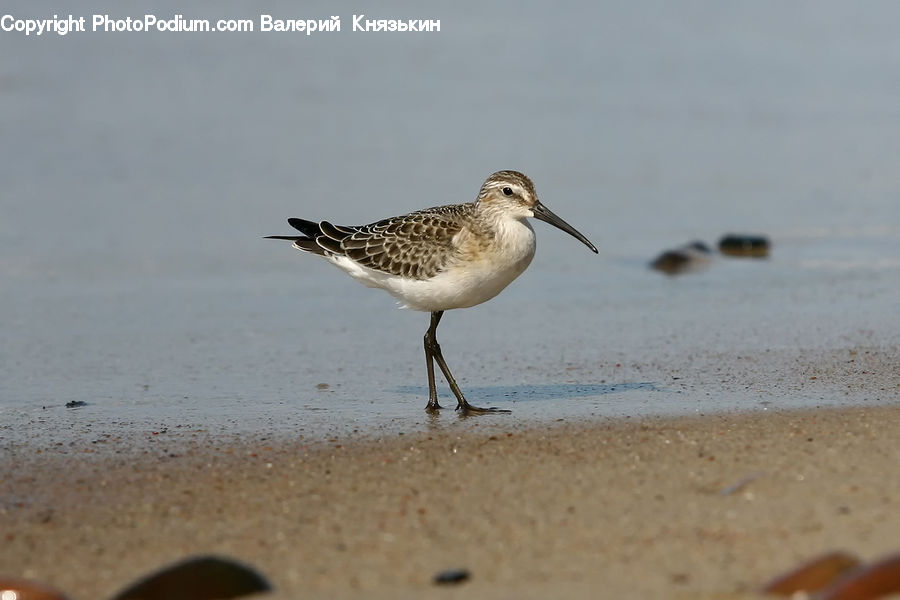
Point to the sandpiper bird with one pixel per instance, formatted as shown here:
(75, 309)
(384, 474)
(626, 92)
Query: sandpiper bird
(440, 258)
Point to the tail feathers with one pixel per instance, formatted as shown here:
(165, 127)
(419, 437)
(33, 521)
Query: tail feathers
(301, 242)
(308, 241)
(308, 228)
(308, 245)
(332, 232)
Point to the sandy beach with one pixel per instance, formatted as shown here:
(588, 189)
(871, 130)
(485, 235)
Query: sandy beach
(173, 384)
(643, 508)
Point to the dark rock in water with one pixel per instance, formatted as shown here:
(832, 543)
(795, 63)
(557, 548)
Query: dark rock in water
(20, 589)
(690, 257)
(199, 578)
(452, 577)
(754, 246)
(76, 404)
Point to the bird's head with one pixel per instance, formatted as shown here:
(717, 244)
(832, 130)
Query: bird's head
(512, 194)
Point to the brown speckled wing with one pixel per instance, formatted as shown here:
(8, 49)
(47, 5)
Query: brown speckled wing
(418, 245)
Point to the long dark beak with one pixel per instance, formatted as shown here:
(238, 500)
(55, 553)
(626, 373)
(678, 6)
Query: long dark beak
(545, 214)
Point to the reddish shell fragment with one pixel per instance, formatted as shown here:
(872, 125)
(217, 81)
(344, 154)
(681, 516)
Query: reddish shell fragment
(864, 583)
(811, 576)
(21, 589)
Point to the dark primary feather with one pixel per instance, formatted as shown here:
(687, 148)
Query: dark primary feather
(417, 245)
(308, 228)
(304, 242)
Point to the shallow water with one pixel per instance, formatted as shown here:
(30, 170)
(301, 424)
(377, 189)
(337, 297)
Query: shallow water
(141, 170)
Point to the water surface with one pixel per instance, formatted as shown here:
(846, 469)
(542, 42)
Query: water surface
(141, 170)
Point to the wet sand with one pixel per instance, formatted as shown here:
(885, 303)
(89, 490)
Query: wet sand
(630, 508)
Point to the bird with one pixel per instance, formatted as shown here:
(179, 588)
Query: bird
(440, 258)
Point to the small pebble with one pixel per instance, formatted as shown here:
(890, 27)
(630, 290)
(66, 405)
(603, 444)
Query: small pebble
(451, 577)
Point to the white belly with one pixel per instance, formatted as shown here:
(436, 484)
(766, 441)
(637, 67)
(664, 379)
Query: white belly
(462, 285)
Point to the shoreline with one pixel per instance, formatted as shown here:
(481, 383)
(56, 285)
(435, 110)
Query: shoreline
(655, 507)
(683, 382)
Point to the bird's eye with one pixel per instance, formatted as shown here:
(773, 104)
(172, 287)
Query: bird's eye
(507, 191)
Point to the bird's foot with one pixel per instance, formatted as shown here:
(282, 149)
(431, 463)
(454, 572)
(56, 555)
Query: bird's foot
(464, 408)
(433, 407)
